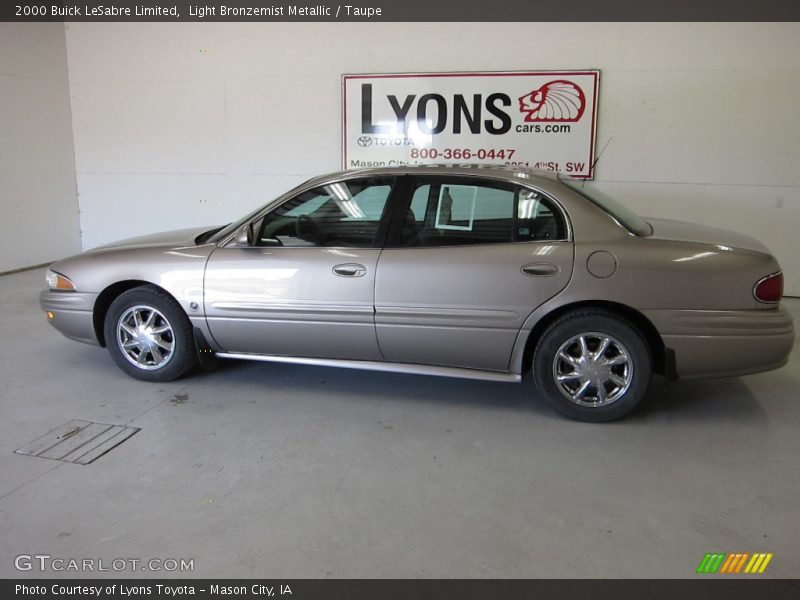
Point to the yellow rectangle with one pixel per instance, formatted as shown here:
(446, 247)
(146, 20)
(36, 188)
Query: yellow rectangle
(751, 563)
(764, 564)
(755, 563)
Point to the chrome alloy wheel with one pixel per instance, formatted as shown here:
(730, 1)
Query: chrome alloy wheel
(592, 369)
(145, 337)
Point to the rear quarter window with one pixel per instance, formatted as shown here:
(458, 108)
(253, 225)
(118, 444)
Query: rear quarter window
(626, 217)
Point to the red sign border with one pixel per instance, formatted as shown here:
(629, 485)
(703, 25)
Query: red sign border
(595, 73)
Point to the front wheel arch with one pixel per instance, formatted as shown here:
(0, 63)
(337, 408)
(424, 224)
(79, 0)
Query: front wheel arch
(164, 336)
(107, 296)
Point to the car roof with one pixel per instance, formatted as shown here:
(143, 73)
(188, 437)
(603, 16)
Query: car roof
(511, 173)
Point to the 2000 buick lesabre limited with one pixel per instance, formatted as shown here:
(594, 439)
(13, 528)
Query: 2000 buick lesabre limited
(459, 271)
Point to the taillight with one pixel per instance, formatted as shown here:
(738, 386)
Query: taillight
(769, 289)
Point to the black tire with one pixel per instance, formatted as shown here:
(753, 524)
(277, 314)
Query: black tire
(587, 329)
(166, 311)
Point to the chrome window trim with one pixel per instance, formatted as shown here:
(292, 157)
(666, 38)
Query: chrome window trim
(513, 181)
(339, 178)
(293, 193)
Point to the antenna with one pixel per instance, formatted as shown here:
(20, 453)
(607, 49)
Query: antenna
(597, 158)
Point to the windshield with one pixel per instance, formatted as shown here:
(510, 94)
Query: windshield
(231, 227)
(626, 217)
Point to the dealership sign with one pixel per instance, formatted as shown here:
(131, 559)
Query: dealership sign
(539, 119)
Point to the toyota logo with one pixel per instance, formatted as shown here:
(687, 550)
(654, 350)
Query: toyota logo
(364, 141)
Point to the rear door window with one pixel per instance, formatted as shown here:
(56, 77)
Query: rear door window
(453, 212)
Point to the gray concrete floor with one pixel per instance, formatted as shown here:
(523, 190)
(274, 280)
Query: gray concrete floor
(290, 471)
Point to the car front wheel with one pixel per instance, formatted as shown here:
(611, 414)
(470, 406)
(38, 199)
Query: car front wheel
(149, 336)
(592, 365)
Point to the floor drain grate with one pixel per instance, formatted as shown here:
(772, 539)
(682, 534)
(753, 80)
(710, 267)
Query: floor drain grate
(79, 442)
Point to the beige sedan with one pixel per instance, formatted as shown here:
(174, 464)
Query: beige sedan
(483, 273)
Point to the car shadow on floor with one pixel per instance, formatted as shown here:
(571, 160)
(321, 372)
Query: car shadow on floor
(372, 385)
(728, 399)
(698, 400)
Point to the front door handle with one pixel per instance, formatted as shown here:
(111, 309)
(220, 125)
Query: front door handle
(350, 270)
(540, 269)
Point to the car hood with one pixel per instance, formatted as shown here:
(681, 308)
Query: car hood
(679, 231)
(178, 237)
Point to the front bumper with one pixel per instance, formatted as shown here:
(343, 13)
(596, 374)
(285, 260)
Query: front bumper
(725, 343)
(72, 314)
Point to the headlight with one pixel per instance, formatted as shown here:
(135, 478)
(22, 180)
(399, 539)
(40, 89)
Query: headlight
(56, 281)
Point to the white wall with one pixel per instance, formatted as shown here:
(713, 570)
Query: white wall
(181, 124)
(37, 168)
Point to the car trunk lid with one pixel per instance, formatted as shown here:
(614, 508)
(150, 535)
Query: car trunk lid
(680, 231)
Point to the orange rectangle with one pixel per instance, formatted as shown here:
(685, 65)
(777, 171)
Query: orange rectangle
(742, 560)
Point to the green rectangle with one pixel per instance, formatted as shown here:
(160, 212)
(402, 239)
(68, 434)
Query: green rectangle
(703, 564)
(716, 562)
(711, 562)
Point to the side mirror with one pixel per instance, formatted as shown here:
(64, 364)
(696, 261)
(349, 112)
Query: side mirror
(243, 237)
(253, 231)
(246, 236)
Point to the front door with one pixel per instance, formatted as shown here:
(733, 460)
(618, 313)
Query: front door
(305, 286)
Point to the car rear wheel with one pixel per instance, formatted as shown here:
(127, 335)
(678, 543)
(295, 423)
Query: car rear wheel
(592, 365)
(149, 336)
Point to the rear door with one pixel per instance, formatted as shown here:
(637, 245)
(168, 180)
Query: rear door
(467, 260)
(305, 287)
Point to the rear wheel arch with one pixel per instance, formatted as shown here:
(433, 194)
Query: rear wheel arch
(663, 362)
(592, 365)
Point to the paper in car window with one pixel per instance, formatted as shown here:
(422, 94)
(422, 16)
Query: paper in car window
(456, 208)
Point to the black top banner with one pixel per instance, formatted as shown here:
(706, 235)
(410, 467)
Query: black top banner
(403, 10)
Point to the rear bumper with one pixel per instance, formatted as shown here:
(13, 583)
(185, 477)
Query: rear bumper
(725, 343)
(72, 314)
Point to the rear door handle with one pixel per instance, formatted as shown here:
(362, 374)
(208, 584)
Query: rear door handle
(540, 269)
(350, 270)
